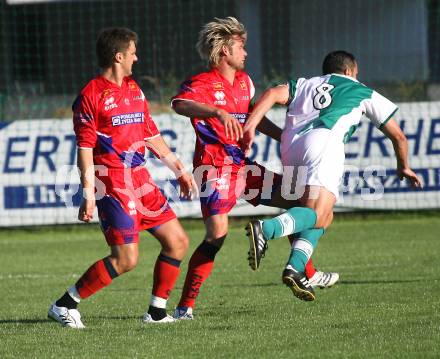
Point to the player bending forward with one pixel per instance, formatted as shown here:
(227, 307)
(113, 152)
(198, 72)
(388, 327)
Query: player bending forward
(322, 114)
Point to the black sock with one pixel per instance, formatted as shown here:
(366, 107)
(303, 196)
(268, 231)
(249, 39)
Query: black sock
(209, 249)
(66, 301)
(157, 313)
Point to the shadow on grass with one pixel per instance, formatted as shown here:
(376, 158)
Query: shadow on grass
(391, 281)
(25, 321)
(47, 320)
(125, 317)
(341, 282)
(273, 284)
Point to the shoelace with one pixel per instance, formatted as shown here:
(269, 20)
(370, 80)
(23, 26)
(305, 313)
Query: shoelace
(67, 318)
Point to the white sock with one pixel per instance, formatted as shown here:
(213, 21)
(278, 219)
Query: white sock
(286, 223)
(74, 294)
(158, 302)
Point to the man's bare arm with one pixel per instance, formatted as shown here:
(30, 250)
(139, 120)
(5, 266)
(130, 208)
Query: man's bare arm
(194, 109)
(268, 128)
(87, 176)
(400, 144)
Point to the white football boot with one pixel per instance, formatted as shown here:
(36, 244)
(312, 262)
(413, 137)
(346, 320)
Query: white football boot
(183, 313)
(66, 317)
(148, 319)
(323, 279)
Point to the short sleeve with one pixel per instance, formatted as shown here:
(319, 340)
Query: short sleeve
(84, 122)
(291, 84)
(192, 90)
(379, 109)
(150, 128)
(251, 89)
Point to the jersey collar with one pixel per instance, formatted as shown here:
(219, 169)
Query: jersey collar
(347, 77)
(224, 80)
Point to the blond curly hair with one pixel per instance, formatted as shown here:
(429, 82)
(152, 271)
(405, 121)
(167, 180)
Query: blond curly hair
(216, 34)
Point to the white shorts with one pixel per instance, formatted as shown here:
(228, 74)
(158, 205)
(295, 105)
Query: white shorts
(317, 156)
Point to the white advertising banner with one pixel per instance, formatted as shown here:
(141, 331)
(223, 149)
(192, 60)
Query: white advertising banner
(39, 183)
(370, 180)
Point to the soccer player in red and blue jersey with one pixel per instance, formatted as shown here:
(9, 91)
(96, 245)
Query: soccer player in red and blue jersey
(218, 103)
(113, 125)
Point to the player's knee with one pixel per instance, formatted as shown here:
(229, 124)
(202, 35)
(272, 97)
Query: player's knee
(216, 236)
(126, 264)
(183, 242)
(329, 219)
(323, 218)
(216, 241)
(176, 245)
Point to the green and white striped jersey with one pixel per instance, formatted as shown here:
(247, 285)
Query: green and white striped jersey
(336, 102)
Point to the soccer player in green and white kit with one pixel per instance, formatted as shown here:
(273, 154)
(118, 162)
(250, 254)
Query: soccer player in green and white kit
(322, 114)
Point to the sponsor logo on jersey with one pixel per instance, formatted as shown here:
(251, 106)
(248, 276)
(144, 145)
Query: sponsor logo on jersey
(127, 119)
(105, 93)
(127, 101)
(83, 117)
(132, 207)
(243, 85)
(220, 98)
(109, 103)
(109, 107)
(241, 117)
(218, 86)
(222, 183)
(138, 98)
(186, 86)
(219, 95)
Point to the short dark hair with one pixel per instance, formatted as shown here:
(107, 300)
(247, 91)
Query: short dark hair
(337, 62)
(111, 41)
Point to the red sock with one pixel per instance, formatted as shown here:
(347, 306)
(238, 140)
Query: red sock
(96, 278)
(165, 275)
(310, 268)
(199, 269)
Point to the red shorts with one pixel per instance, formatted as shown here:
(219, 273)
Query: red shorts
(129, 201)
(220, 187)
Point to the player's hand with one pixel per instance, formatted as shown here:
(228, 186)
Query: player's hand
(188, 187)
(410, 176)
(85, 213)
(247, 141)
(233, 129)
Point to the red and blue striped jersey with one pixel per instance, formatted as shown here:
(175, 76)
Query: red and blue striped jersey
(114, 121)
(211, 88)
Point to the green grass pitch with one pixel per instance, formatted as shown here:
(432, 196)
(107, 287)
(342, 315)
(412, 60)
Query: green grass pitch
(387, 304)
